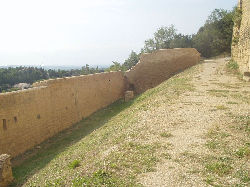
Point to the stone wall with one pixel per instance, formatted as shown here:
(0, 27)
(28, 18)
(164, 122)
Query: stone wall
(31, 116)
(158, 66)
(241, 38)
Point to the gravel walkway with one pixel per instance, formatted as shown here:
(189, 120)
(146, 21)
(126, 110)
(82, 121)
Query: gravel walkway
(189, 119)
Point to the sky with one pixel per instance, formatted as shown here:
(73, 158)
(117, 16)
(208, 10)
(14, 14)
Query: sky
(94, 32)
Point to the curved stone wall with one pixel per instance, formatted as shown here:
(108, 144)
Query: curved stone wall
(158, 66)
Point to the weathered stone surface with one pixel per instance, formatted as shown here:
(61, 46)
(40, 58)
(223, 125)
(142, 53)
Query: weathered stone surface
(129, 95)
(5, 170)
(241, 38)
(31, 116)
(158, 66)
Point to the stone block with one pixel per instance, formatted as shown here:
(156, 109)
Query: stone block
(6, 176)
(128, 95)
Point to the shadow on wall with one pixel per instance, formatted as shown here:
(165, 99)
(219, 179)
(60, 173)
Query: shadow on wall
(156, 67)
(41, 155)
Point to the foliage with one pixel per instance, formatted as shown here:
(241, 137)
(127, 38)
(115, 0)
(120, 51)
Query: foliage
(74, 164)
(237, 17)
(115, 67)
(215, 37)
(162, 39)
(132, 60)
(166, 134)
(232, 65)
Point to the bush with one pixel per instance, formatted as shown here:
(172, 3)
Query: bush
(237, 17)
(74, 164)
(232, 65)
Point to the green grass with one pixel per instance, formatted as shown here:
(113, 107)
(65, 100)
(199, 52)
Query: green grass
(232, 103)
(166, 134)
(166, 156)
(74, 164)
(241, 97)
(218, 167)
(241, 122)
(212, 144)
(229, 159)
(232, 65)
(98, 178)
(243, 175)
(243, 152)
(54, 147)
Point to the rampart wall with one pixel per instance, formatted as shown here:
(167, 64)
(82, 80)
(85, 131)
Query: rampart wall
(158, 66)
(29, 117)
(241, 38)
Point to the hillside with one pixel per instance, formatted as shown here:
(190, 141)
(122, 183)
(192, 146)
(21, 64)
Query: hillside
(191, 130)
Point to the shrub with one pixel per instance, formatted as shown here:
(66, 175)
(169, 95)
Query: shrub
(74, 164)
(232, 65)
(237, 17)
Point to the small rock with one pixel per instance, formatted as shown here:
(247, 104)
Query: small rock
(128, 95)
(6, 176)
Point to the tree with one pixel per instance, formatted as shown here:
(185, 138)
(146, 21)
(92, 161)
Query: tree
(115, 67)
(181, 41)
(132, 60)
(215, 37)
(162, 39)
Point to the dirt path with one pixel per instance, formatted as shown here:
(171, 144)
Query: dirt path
(187, 123)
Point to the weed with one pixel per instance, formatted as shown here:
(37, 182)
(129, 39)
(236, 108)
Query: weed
(166, 156)
(243, 175)
(244, 98)
(134, 158)
(212, 144)
(221, 107)
(218, 93)
(232, 65)
(243, 152)
(242, 122)
(166, 134)
(232, 103)
(218, 167)
(210, 180)
(74, 164)
(99, 178)
(56, 183)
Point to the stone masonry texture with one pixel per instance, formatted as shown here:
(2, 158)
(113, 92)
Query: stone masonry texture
(158, 66)
(241, 48)
(29, 117)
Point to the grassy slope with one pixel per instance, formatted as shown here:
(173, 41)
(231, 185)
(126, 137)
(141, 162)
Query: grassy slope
(109, 148)
(105, 148)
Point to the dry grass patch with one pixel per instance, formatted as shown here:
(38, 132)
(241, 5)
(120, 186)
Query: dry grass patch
(230, 158)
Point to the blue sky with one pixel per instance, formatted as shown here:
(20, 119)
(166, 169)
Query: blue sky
(97, 32)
